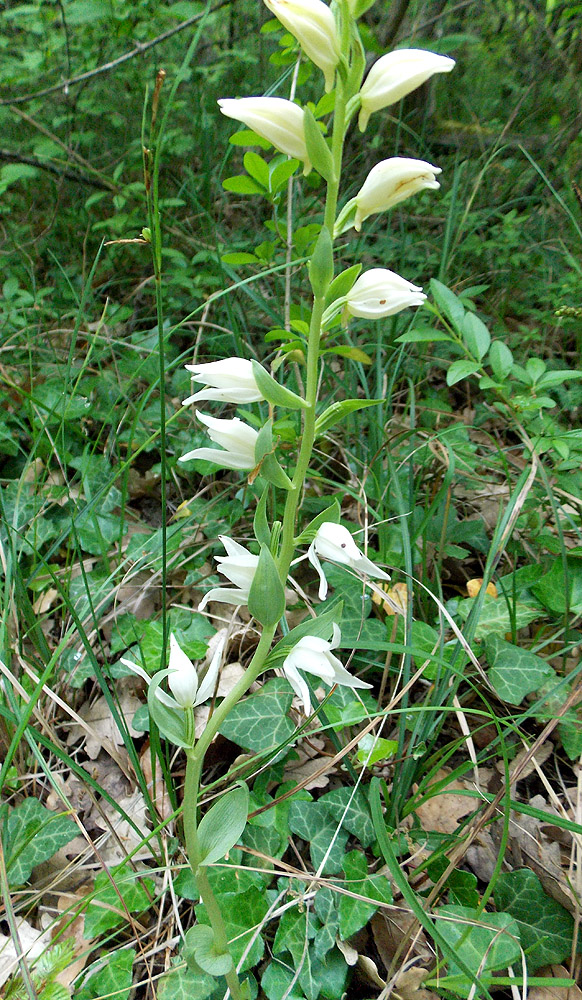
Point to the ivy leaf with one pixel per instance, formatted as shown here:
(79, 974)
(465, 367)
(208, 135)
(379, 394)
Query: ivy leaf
(110, 975)
(260, 721)
(295, 930)
(32, 834)
(545, 927)
(354, 913)
(181, 984)
(515, 672)
(111, 903)
(495, 615)
(242, 912)
(314, 823)
(483, 941)
(357, 820)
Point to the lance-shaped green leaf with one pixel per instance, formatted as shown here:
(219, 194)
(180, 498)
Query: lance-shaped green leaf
(319, 153)
(260, 523)
(342, 284)
(331, 513)
(320, 627)
(337, 411)
(321, 264)
(266, 465)
(170, 722)
(267, 595)
(223, 825)
(274, 392)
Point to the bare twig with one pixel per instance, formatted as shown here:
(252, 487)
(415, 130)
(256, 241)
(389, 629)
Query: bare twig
(139, 49)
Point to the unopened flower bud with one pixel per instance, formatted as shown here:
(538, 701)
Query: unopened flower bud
(391, 182)
(312, 23)
(395, 75)
(379, 292)
(278, 121)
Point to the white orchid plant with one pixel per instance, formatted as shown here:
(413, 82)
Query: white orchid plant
(258, 577)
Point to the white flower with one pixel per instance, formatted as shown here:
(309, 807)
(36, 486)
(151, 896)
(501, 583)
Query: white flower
(238, 566)
(230, 380)
(379, 292)
(313, 25)
(315, 656)
(391, 182)
(334, 542)
(395, 75)
(278, 121)
(185, 683)
(236, 437)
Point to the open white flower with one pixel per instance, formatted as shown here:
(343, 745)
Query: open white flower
(391, 182)
(313, 25)
(234, 436)
(395, 75)
(379, 292)
(189, 687)
(334, 542)
(278, 121)
(315, 656)
(238, 566)
(230, 380)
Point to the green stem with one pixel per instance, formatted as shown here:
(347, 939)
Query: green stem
(308, 436)
(195, 760)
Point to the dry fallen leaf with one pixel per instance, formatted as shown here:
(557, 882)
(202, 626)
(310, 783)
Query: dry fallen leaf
(550, 992)
(122, 837)
(407, 985)
(441, 813)
(102, 732)
(474, 586)
(397, 598)
(396, 930)
(33, 943)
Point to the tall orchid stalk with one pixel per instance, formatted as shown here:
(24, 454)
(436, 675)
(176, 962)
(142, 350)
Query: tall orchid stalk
(328, 36)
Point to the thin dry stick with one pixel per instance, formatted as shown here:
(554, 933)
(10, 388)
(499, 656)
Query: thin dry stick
(106, 67)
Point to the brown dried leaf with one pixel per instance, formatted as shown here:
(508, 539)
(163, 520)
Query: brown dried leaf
(408, 985)
(395, 930)
(441, 813)
(102, 732)
(550, 992)
(474, 586)
(32, 941)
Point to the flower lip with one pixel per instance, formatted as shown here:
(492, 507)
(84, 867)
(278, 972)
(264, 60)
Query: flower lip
(229, 380)
(395, 75)
(277, 120)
